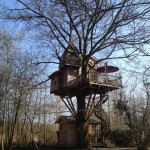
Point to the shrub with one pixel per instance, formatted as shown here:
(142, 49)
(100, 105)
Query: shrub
(121, 138)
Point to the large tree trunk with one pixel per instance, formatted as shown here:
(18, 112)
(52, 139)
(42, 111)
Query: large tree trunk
(81, 109)
(82, 122)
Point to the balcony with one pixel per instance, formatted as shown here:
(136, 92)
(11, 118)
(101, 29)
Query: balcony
(72, 61)
(105, 79)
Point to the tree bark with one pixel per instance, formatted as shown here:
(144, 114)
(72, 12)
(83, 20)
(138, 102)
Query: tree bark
(82, 122)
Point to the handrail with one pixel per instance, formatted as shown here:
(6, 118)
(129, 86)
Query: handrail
(72, 61)
(105, 79)
(96, 78)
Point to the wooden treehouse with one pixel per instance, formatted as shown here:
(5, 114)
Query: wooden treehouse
(65, 82)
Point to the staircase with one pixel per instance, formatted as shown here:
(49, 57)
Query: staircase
(105, 128)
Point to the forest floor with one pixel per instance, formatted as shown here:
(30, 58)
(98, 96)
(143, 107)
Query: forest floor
(56, 148)
(39, 148)
(36, 148)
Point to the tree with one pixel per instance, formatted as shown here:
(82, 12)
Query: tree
(17, 82)
(135, 110)
(7, 51)
(107, 29)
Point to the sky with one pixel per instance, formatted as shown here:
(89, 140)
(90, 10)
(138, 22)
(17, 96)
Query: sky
(131, 71)
(126, 67)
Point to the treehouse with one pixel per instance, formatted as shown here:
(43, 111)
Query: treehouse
(66, 81)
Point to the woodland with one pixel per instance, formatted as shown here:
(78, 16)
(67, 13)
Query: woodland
(34, 35)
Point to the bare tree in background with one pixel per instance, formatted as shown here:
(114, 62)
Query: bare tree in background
(136, 113)
(19, 75)
(7, 50)
(108, 29)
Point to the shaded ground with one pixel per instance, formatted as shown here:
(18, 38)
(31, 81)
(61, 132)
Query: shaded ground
(56, 148)
(34, 148)
(43, 147)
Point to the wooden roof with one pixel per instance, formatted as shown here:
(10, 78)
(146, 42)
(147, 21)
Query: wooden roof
(56, 73)
(68, 119)
(71, 48)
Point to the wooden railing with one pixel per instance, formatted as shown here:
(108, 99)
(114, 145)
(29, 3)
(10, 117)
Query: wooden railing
(105, 79)
(71, 61)
(95, 78)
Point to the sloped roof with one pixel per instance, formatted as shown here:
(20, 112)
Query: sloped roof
(68, 119)
(58, 72)
(71, 48)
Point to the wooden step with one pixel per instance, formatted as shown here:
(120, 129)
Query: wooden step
(96, 145)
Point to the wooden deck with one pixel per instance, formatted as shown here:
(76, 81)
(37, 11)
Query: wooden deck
(92, 87)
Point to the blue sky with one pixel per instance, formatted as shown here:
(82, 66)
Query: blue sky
(26, 44)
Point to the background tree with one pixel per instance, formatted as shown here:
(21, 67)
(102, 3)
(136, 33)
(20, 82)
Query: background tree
(135, 110)
(7, 49)
(107, 29)
(19, 78)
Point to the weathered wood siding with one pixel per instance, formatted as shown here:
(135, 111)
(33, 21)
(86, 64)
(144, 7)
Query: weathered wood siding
(68, 136)
(70, 77)
(65, 77)
(92, 62)
(72, 135)
(62, 136)
(93, 76)
(55, 83)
